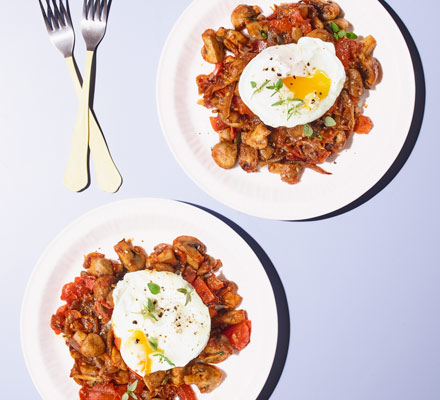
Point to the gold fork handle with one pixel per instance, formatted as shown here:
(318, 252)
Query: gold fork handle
(76, 176)
(107, 175)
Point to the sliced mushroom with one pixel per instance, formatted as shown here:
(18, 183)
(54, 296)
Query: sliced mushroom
(163, 253)
(132, 257)
(206, 377)
(193, 249)
(258, 29)
(321, 34)
(248, 158)
(97, 264)
(218, 349)
(329, 10)
(257, 138)
(228, 318)
(368, 45)
(355, 83)
(242, 14)
(213, 50)
(154, 380)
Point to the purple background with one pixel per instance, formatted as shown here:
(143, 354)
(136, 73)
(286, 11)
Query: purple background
(363, 287)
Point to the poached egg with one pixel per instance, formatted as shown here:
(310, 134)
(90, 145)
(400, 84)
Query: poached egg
(160, 320)
(292, 84)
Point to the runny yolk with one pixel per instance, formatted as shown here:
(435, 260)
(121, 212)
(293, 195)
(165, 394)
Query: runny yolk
(301, 86)
(139, 342)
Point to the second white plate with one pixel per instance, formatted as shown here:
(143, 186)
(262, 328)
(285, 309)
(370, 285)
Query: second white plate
(149, 222)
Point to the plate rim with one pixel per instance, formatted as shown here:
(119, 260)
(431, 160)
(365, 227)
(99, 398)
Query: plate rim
(380, 183)
(280, 305)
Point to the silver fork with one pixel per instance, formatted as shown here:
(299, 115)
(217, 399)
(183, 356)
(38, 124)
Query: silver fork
(87, 131)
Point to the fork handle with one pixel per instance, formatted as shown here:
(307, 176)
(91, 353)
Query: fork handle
(107, 175)
(76, 176)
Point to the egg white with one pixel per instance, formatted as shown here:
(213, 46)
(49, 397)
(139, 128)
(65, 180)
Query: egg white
(182, 331)
(278, 62)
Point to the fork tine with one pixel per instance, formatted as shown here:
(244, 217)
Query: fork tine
(106, 8)
(51, 17)
(46, 19)
(65, 13)
(85, 10)
(98, 9)
(58, 15)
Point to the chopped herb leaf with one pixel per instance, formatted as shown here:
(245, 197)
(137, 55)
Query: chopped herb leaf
(187, 293)
(277, 87)
(263, 34)
(278, 103)
(163, 358)
(258, 90)
(329, 121)
(154, 288)
(336, 36)
(307, 130)
(341, 34)
(253, 84)
(151, 307)
(130, 391)
(153, 343)
(152, 316)
(351, 35)
(335, 28)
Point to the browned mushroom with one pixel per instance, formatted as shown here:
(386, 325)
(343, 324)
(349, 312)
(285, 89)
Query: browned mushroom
(248, 158)
(321, 34)
(132, 257)
(225, 154)
(257, 138)
(97, 264)
(213, 50)
(218, 349)
(242, 14)
(92, 346)
(206, 377)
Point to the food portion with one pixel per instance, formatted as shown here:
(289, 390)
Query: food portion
(150, 326)
(286, 90)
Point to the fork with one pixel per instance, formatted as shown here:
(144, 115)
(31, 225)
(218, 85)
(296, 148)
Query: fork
(61, 33)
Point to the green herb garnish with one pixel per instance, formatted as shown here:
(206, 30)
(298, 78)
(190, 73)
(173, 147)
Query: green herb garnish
(130, 391)
(187, 293)
(253, 84)
(153, 343)
(329, 121)
(258, 90)
(277, 87)
(290, 110)
(263, 34)
(335, 28)
(154, 288)
(163, 358)
(307, 130)
(339, 33)
(148, 310)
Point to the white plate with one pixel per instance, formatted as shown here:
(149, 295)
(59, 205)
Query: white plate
(149, 222)
(190, 137)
